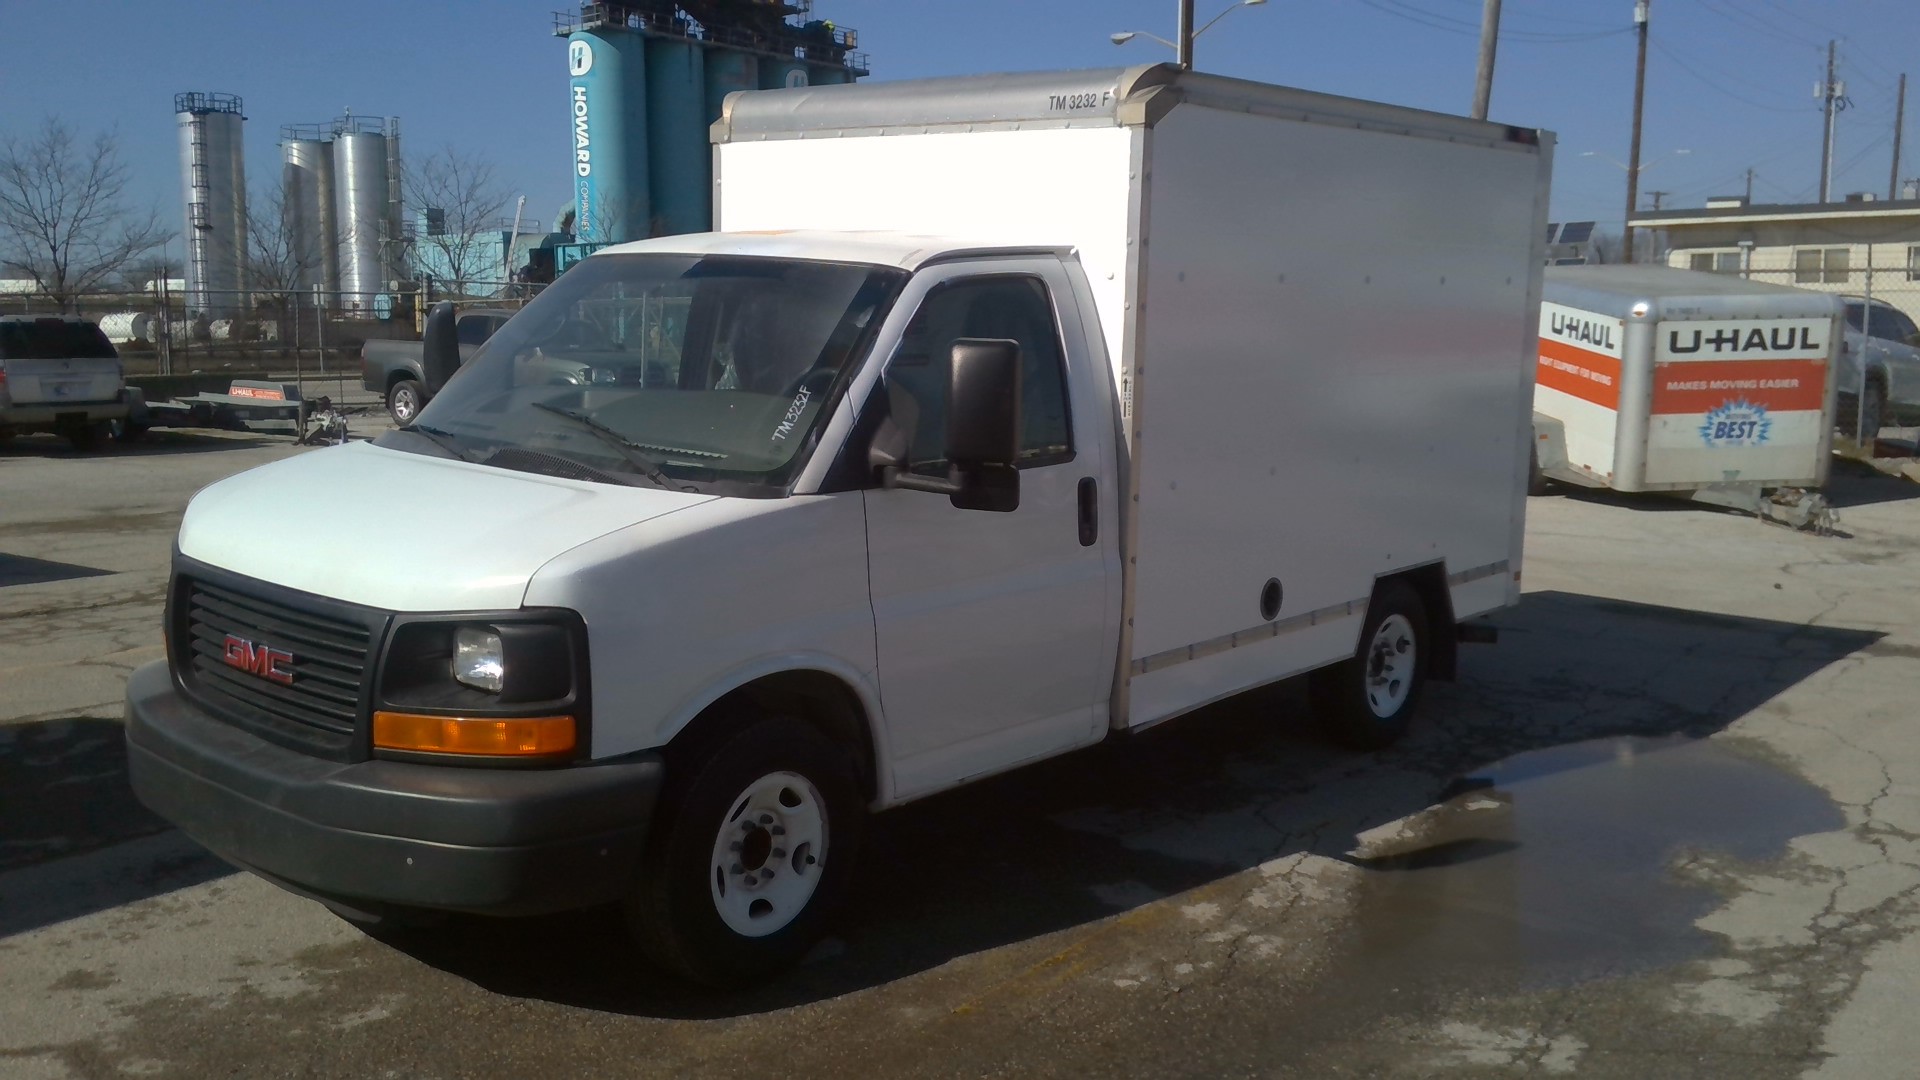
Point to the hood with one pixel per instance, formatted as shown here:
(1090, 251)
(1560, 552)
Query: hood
(402, 531)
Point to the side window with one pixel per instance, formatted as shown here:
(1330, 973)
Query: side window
(1888, 324)
(1015, 307)
(1857, 316)
(472, 330)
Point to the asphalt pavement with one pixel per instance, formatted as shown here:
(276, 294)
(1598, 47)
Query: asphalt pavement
(1668, 826)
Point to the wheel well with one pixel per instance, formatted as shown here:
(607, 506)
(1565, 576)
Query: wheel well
(397, 377)
(820, 699)
(1430, 582)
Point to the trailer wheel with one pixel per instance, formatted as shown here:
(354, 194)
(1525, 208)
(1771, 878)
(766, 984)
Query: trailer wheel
(403, 401)
(1368, 702)
(751, 854)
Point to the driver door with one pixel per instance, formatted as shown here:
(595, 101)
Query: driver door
(994, 630)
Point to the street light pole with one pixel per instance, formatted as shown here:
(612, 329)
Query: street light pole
(1184, 53)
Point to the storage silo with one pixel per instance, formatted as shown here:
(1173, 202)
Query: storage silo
(362, 202)
(307, 198)
(213, 182)
(679, 159)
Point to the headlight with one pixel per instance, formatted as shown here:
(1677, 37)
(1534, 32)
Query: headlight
(478, 659)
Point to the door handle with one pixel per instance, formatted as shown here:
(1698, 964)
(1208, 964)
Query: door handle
(1089, 511)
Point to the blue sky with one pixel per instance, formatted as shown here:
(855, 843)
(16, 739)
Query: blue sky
(1730, 81)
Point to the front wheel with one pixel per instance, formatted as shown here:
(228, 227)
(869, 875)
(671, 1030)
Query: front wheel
(403, 401)
(1368, 702)
(752, 853)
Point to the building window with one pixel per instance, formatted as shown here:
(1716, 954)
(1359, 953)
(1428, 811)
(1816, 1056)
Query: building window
(1913, 263)
(1715, 262)
(1821, 266)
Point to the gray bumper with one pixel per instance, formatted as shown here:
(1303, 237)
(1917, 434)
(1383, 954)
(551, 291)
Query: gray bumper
(492, 841)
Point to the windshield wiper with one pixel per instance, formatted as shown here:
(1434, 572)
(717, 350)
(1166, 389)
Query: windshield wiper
(442, 439)
(632, 451)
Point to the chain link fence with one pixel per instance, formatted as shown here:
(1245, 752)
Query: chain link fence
(158, 333)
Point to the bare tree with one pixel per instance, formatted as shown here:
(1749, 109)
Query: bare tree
(278, 261)
(461, 206)
(65, 220)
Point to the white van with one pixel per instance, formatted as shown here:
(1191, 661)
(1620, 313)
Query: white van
(1004, 415)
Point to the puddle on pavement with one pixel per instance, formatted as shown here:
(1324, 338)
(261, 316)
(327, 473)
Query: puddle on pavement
(1557, 865)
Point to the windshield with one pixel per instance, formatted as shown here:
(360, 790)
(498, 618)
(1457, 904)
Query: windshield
(707, 373)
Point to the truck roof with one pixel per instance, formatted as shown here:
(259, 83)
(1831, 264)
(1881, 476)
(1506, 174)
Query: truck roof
(1615, 288)
(1100, 97)
(907, 251)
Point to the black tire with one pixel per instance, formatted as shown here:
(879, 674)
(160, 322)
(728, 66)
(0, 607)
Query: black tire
(675, 913)
(87, 437)
(1873, 410)
(1351, 708)
(404, 399)
(128, 431)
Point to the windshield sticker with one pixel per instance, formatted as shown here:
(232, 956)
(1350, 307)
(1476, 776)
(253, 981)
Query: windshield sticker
(794, 410)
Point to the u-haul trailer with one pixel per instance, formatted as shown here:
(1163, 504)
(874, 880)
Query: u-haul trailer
(1706, 386)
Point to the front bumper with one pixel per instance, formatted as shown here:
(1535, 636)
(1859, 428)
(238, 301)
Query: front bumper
(376, 833)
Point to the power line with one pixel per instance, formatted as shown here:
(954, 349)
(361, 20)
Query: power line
(1437, 21)
(1685, 65)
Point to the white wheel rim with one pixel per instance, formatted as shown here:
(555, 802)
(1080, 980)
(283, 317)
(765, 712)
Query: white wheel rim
(1390, 666)
(768, 854)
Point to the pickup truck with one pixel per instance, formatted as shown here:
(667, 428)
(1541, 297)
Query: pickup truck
(392, 368)
(1045, 422)
(59, 373)
(1890, 344)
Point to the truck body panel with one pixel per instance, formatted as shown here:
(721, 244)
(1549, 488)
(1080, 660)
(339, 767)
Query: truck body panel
(1676, 380)
(1298, 358)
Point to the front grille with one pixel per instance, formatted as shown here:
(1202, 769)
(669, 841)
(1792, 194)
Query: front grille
(319, 711)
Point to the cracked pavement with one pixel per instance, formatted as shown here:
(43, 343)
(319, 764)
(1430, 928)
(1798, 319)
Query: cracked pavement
(1669, 825)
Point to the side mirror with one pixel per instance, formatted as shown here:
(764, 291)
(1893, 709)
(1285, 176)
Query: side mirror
(439, 347)
(982, 432)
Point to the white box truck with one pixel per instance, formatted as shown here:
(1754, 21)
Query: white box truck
(1003, 415)
(1705, 386)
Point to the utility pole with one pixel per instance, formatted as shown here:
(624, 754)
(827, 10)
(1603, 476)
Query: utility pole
(1899, 121)
(1829, 92)
(1185, 37)
(1749, 185)
(1639, 102)
(1656, 196)
(1489, 42)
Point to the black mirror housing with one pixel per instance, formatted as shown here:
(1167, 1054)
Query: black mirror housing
(983, 403)
(439, 347)
(982, 434)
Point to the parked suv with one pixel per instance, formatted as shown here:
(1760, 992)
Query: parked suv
(59, 373)
(1890, 344)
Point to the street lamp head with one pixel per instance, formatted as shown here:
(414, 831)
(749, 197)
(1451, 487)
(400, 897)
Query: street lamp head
(1122, 39)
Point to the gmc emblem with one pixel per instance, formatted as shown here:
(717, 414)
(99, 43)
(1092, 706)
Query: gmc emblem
(268, 663)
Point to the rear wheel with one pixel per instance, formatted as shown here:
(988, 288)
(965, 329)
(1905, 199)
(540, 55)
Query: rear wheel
(403, 401)
(751, 855)
(1368, 702)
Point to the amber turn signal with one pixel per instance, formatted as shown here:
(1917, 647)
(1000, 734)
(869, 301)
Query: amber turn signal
(530, 736)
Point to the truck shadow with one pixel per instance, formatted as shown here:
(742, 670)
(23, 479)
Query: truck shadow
(1088, 836)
